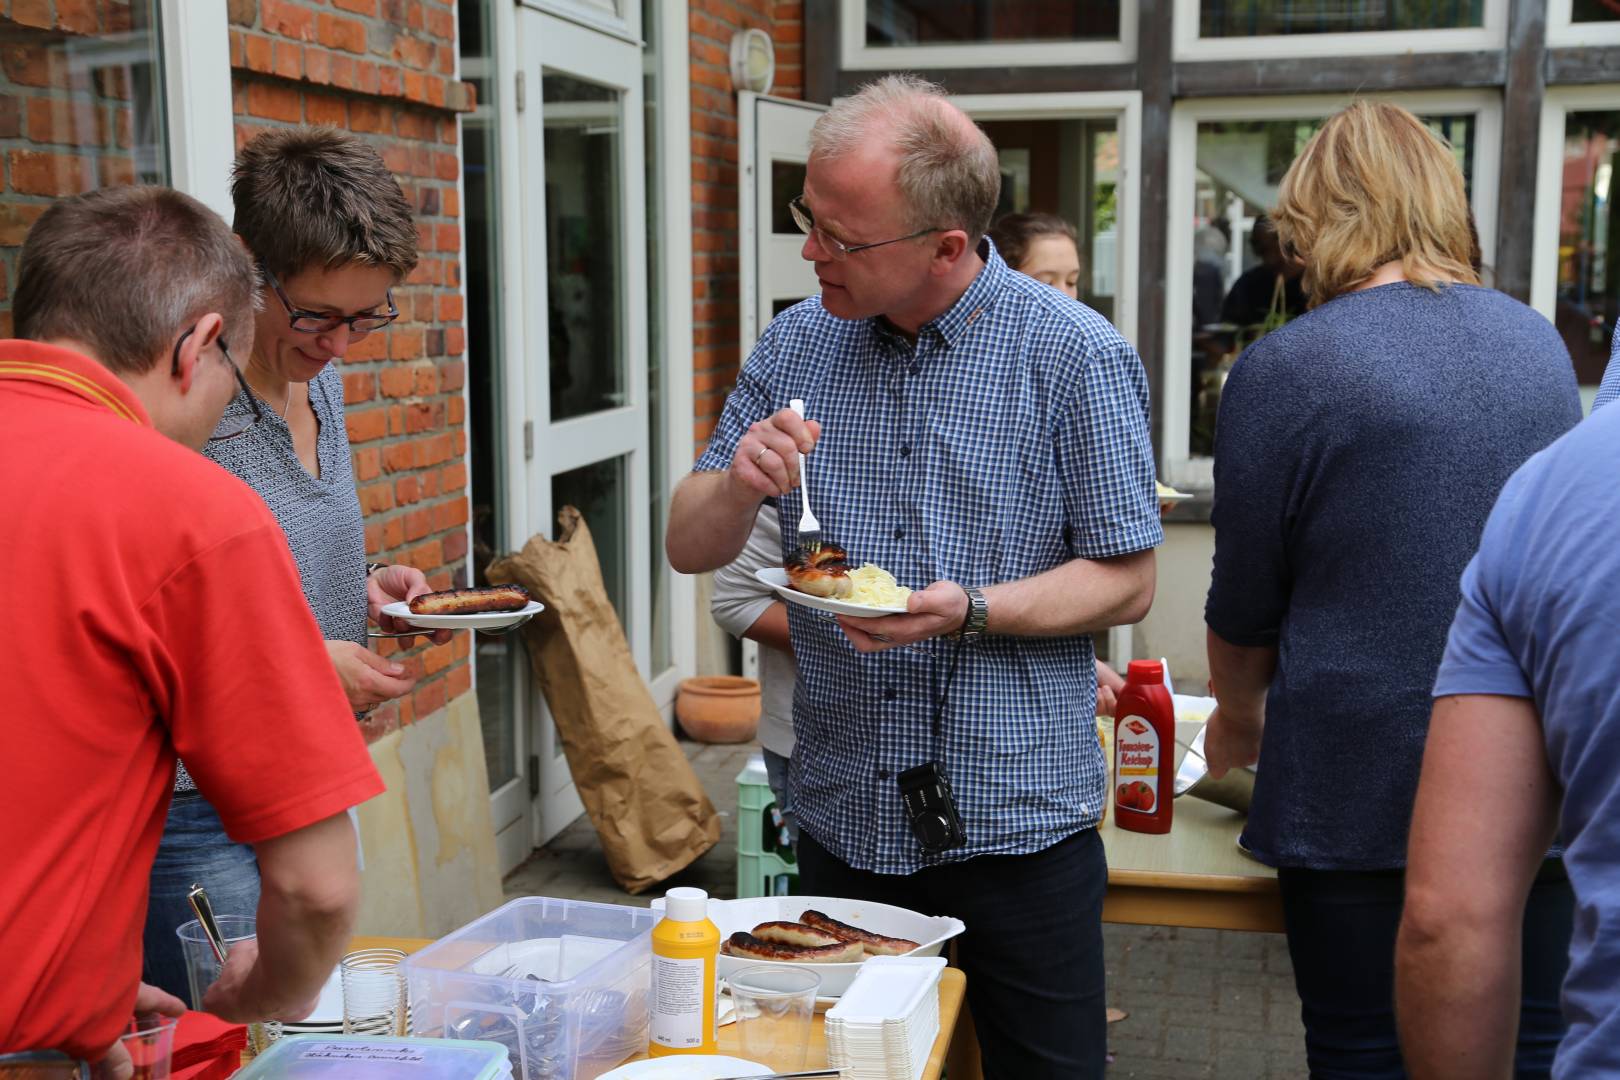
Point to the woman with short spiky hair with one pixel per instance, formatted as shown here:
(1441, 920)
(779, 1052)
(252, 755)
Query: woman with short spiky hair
(1358, 451)
(332, 235)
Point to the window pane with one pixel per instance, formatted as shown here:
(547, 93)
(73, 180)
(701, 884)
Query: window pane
(787, 183)
(662, 654)
(1588, 239)
(498, 660)
(1069, 168)
(1244, 18)
(1595, 11)
(584, 238)
(81, 107)
(597, 491)
(956, 22)
(1242, 286)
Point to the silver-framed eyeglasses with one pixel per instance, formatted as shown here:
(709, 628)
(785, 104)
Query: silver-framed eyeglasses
(806, 221)
(229, 427)
(315, 322)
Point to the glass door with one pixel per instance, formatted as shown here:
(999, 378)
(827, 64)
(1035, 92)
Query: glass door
(585, 299)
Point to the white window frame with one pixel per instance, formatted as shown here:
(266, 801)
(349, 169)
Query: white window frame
(1189, 45)
(1125, 108)
(1177, 466)
(1555, 109)
(1563, 31)
(620, 18)
(857, 55)
(194, 43)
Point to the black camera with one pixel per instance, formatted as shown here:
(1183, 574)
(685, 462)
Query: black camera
(931, 808)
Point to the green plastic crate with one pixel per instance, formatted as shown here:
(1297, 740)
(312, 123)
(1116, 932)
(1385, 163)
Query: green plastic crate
(765, 865)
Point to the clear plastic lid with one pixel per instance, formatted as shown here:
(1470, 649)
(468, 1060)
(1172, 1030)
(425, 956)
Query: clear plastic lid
(329, 1057)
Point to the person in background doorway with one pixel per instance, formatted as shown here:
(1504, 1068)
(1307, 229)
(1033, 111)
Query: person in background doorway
(745, 607)
(332, 236)
(1358, 453)
(151, 609)
(1269, 293)
(1042, 245)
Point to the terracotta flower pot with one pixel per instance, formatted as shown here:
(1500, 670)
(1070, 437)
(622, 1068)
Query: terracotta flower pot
(718, 708)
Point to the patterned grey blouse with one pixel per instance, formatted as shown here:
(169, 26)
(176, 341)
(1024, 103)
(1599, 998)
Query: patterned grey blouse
(320, 515)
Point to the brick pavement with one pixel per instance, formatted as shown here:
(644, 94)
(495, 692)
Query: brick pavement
(1200, 1003)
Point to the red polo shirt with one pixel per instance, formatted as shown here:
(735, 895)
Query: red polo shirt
(150, 607)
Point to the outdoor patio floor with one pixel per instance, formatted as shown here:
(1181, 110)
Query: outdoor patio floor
(1199, 1003)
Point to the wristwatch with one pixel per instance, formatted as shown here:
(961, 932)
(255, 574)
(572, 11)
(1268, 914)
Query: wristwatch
(978, 614)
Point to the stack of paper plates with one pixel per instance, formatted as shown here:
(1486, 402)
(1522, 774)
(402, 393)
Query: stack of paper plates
(886, 1023)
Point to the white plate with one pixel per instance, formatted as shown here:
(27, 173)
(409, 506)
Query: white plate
(777, 578)
(687, 1067)
(478, 620)
(730, 916)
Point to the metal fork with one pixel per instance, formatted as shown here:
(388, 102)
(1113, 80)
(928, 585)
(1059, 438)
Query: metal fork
(809, 527)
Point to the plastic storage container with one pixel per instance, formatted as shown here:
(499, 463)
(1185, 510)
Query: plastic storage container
(766, 865)
(561, 984)
(353, 1057)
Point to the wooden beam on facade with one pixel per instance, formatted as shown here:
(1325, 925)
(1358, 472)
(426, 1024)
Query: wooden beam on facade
(1522, 98)
(1154, 71)
(820, 50)
(1338, 74)
(1583, 65)
(1024, 80)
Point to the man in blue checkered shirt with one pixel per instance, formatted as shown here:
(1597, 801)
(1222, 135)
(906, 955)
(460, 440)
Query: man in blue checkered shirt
(985, 439)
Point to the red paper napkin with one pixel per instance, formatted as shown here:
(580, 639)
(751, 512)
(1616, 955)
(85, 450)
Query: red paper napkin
(207, 1048)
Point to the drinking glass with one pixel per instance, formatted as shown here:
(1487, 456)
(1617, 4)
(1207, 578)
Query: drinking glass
(374, 1000)
(774, 1009)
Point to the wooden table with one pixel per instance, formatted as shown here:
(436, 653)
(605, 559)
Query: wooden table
(952, 985)
(1194, 875)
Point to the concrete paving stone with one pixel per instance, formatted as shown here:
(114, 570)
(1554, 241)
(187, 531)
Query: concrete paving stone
(1194, 1044)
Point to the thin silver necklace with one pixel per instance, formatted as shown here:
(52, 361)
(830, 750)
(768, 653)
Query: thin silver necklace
(288, 404)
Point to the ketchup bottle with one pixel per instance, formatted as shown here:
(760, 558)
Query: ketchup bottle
(1144, 750)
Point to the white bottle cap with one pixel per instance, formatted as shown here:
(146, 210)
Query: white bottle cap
(686, 905)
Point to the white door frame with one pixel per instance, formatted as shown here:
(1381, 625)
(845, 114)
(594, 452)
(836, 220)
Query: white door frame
(1176, 466)
(547, 43)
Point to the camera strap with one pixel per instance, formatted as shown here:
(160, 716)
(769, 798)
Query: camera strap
(939, 705)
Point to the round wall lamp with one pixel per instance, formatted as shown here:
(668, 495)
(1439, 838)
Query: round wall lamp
(753, 61)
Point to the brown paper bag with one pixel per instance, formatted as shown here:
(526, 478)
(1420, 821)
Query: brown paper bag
(647, 804)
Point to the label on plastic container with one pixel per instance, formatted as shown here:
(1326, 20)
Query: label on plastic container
(1136, 756)
(677, 1009)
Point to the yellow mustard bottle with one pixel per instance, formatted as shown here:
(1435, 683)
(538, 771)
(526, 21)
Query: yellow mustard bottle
(685, 946)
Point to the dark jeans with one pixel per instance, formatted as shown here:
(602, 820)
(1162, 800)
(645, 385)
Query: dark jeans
(195, 850)
(1341, 936)
(1032, 953)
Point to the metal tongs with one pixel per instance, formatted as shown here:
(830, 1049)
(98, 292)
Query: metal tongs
(791, 1075)
(198, 899)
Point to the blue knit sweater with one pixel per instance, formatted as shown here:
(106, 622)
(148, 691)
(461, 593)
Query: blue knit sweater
(1358, 452)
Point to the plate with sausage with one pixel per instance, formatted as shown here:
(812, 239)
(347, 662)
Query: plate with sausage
(485, 608)
(777, 578)
(832, 935)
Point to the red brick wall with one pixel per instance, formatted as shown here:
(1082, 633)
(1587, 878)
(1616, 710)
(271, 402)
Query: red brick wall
(61, 131)
(715, 241)
(385, 70)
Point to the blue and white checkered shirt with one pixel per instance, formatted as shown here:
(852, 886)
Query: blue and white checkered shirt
(1609, 388)
(1010, 439)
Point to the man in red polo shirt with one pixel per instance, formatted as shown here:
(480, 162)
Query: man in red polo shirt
(150, 608)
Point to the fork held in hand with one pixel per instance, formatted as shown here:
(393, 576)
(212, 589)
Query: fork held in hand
(809, 527)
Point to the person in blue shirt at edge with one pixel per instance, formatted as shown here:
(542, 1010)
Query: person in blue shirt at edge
(985, 439)
(1609, 389)
(1522, 749)
(1358, 451)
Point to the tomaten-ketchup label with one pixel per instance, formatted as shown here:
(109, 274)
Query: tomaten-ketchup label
(1137, 755)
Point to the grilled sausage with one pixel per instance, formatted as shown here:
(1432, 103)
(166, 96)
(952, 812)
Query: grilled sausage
(875, 944)
(822, 571)
(747, 945)
(471, 601)
(793, 933)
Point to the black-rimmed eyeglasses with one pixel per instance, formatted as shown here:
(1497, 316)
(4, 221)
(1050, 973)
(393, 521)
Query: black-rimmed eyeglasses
(806, 221)
(229, 427)
(315, 322)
